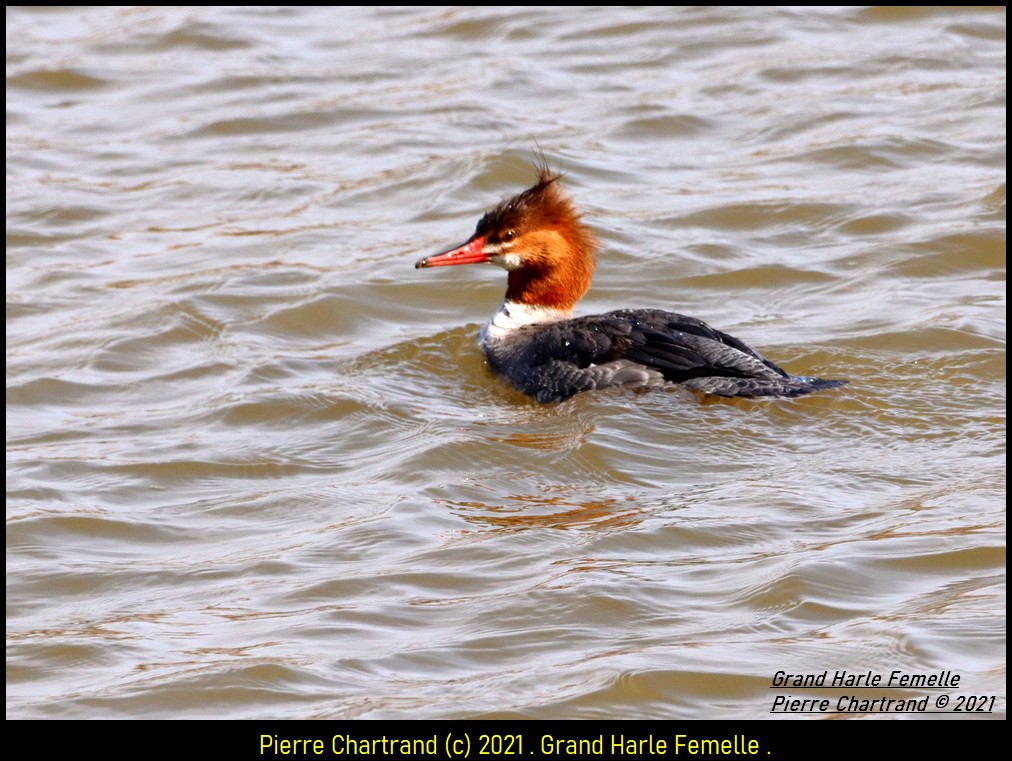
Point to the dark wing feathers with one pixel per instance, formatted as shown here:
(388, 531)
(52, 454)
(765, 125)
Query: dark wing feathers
(639, 348)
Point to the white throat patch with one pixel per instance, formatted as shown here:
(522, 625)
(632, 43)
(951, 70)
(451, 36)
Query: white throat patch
(512, 315)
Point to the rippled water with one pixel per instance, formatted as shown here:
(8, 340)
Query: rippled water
(256, 466)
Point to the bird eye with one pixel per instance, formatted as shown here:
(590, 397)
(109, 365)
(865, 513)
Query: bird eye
(508, 236)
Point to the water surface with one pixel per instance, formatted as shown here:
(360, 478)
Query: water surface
(256, 466)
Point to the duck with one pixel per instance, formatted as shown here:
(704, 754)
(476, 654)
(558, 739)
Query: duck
(536, 344)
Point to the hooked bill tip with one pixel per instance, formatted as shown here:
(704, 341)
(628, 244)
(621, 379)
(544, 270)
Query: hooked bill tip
(471, 252)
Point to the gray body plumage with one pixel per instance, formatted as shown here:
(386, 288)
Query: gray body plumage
(552, 361)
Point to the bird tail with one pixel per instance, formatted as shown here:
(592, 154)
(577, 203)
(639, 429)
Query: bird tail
(754, 388)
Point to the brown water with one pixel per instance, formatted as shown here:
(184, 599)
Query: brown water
(257, 468)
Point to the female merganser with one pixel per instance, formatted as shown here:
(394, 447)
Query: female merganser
(536, 344)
